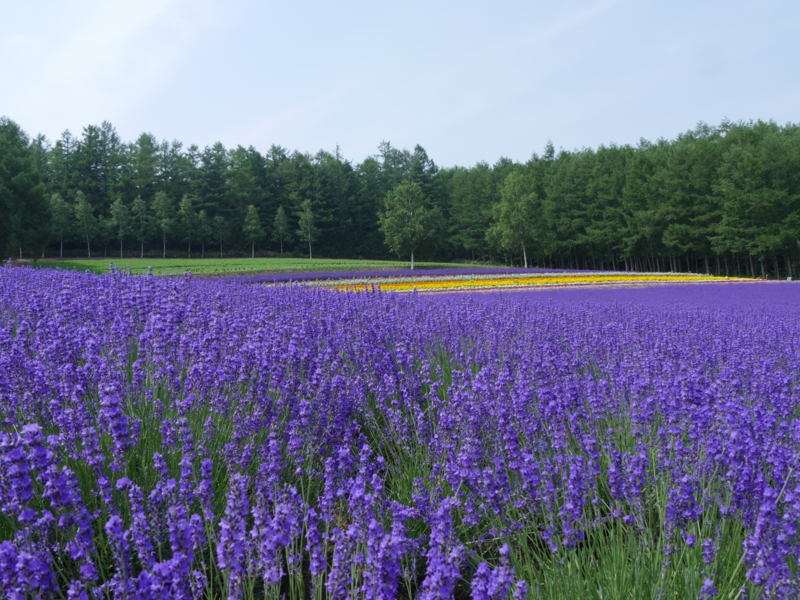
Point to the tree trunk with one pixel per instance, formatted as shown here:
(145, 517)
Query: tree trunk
(190, 249)
(309, 249)
(61, 251)
(281, 246)
(141, 249)
(524, 255)
(412, 260)
(718, 270)
(788, 267)
(708, 270)
(203, 249)
(777, 269)
(164, 239)
(220, 247)
(88, 248)
(120, 247)
(253, 250)
(726, 266)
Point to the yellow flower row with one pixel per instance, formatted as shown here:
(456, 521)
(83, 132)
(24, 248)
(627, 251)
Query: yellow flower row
(445, 283)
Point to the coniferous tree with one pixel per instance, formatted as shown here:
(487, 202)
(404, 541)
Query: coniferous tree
(220, 228)
(515, 216)
(472, 194)
(204, 230)
(24, 210)
(281, 231)
(722, 198)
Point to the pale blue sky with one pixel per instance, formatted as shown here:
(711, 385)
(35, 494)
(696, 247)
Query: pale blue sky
(469, 81)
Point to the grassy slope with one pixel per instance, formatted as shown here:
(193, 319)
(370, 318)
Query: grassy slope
(211, 266)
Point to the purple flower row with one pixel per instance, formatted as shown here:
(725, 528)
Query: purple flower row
(175, 437)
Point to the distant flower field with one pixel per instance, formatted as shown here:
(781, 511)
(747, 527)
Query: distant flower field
(185, 438)
(453, 281)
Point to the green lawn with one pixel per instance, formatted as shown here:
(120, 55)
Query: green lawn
(212, 266)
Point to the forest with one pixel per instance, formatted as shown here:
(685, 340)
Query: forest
(717, 199)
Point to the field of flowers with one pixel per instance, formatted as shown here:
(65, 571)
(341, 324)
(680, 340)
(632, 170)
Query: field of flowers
(481, 281)
(184, 438)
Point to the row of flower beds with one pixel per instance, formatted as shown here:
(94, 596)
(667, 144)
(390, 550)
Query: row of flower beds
(481, 282)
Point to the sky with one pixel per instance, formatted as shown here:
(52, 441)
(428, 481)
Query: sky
(469, 81)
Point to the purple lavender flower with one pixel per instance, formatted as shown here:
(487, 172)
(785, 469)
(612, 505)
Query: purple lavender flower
(232, 545)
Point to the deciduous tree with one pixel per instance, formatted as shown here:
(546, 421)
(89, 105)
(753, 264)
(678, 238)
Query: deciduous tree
(121, 219)
(252, 229)
(87, 223)
(406, 221)
(164, 214)
(281, 232)
(306, 228)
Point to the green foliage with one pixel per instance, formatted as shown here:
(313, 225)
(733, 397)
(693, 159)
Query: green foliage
(121, 219)
(141, 219)
(205, 231)
(472, 194)
(24, 214)
(252, 229)
(84, 216)
(164, 214)
(188, 221)
(61, 217)
(281, 232)
(725, 197)
(515, 216)
(407, 222)
(219, 228)
(306, 225)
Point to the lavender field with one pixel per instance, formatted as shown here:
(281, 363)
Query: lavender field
(182, 438)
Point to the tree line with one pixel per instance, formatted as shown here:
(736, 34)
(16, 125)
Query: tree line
(719, 199)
